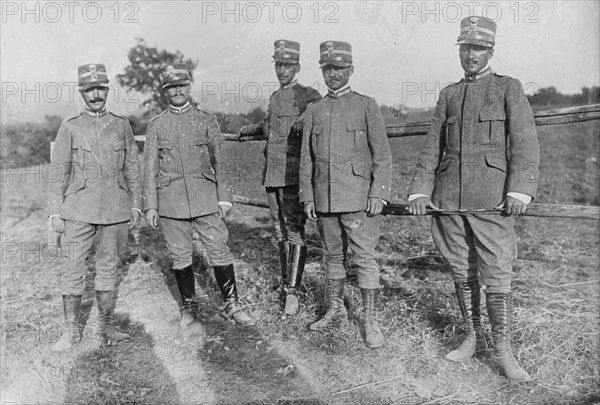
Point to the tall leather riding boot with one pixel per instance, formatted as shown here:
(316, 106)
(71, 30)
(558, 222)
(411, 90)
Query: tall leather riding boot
(469, 301)
(72, 333)
(373, 335)
(283, 259)
(232, 311)
(186, 284)
(336, 312)
(297, 260)
(284, 252)
(499, 307)
(107, 333)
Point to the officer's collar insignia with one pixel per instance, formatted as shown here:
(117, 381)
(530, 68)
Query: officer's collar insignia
(93, 73)
(330, 50)
(180, 110)
(281, 48)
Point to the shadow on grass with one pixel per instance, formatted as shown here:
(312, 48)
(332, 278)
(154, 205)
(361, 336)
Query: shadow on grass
(129, 372)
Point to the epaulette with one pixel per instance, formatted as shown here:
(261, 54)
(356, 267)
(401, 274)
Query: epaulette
(195, 107)
(159, 115)
(358, 94)
(73, 117)
(118, 116)
(453, 84)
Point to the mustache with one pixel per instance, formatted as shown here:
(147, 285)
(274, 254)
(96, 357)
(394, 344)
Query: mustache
(96, 100)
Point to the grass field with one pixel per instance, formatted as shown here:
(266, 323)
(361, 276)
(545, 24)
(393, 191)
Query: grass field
(555, 333)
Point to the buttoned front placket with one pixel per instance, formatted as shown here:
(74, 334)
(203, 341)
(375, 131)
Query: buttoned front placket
(179, 118)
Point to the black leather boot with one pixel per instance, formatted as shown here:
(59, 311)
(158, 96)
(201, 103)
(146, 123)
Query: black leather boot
(297, 260)
(187, 289)
(469, 301)
(336, 311)
(373, 335)
(107, 333)
(232, 311)
(284, 252)
(72, 333)
(499, 307)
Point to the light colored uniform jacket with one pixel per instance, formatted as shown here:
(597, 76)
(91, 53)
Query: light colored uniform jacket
(482, 144)
(184, 164)
(346, 155)
(94, 176)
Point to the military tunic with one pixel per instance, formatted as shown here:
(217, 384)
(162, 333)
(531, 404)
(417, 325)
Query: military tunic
(184, 180)
(96, 186)
(345, 161)
(283, 125)
(481, 145)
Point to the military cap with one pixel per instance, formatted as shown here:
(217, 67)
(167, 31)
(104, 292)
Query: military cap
(175, 74)
(336, 53)
(92, 75)
(478, 31)
(286, 51)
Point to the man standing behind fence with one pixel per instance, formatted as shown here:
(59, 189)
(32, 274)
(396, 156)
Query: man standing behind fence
(185, 185)
(99, 194)
(283, 127)
(345, 181)
(481, 152)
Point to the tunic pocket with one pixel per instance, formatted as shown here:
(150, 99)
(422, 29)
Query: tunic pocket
(358, 133)
(494, 170)
(491, 126)
(451, 132)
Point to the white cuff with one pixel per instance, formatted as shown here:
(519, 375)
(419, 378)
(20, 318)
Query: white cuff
(228, 203)
(520, 196)
(415, 196)
(137, 209)
(383, 201)
(53, 215)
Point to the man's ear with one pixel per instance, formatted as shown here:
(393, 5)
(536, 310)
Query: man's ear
(491, 53)
(298, 68)
(351, 69)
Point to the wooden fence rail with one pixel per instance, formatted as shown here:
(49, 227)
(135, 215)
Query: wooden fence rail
(546, 117)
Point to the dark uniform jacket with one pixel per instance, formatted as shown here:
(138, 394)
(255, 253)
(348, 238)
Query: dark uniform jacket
(184, 164)
(346, 156)
(94, 176)
(481, 145)
(283, 127)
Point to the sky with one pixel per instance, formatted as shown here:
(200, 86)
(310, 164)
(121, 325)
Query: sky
(404, 52)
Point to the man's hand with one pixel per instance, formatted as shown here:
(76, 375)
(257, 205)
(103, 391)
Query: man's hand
(152, 218)
(223, 210)
(513, 206)
(58, 224)
(136, 217)
(374, 206)
(309, 210)
(419, 206)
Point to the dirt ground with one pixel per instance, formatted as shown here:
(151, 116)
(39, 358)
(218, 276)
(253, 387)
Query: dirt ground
(278, 361)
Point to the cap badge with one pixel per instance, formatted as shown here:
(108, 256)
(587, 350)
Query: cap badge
(330, 50)
(473, 28)
(170, 71)
(93, 73)
(281, 48)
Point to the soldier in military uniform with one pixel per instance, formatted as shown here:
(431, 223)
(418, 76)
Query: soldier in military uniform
(185, 185)
(97, 197)
(481, 152)
(283, 125)
(345, 181)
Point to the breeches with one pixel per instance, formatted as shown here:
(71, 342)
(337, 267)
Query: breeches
(77, 242)
(213, 235)
(484, 244)
(363, 236)
(287, 214)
